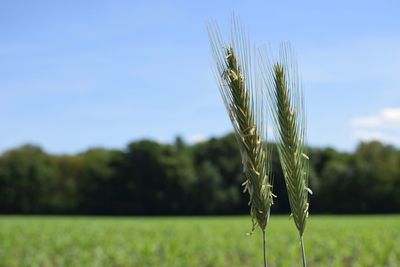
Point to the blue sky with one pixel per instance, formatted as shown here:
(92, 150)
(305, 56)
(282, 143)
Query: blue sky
(78, 74)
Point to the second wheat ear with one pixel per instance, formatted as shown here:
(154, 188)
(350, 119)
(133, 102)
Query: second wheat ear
(286, 98)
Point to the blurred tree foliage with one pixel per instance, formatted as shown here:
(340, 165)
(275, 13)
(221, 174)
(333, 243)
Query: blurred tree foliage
(148, 178)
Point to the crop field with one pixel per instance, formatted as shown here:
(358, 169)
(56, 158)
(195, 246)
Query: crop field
(196, 241)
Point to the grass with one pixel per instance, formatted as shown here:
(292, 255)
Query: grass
(195, 241)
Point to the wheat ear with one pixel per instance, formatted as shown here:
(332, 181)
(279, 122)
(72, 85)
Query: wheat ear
(244, 104)
(286, 97)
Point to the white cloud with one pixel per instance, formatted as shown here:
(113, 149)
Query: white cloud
(196, 138)
(384, 126)
(161, 140)
(365, 135)
(386, 118)
(368, 135)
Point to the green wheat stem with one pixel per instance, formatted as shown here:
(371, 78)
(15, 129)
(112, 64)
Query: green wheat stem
(265, 247)
(303, 252)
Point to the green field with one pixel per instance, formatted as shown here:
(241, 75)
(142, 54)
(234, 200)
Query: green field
(196, 241)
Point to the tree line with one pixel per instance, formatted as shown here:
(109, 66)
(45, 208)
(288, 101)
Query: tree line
(149, 178)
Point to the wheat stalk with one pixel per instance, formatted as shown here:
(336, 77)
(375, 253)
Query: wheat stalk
(286, 97)
(243, 101)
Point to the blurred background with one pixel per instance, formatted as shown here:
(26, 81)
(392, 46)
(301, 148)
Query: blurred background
(111, 108)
